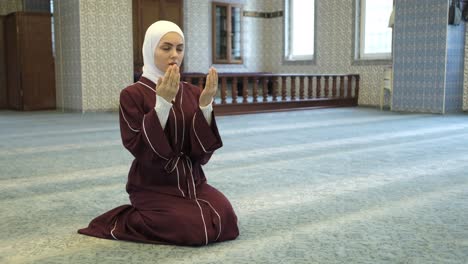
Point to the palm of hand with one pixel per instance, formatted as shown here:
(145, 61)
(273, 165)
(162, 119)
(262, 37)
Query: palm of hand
(211, 87)
(168, 86)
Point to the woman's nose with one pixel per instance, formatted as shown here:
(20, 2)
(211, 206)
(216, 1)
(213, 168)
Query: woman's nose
(174, 53)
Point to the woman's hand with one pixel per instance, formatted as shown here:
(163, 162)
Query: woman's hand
(168, 86)
(211, 87)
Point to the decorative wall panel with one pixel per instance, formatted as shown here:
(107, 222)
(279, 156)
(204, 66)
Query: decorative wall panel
(106, 52)
(420, 55)
(465, 79)
(93, 53)
(67, 55)
(454, 73)
(10, 6)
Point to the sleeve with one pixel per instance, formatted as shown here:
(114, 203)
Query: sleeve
(205, 138)
(207, 110)
(142, 133)
(162, 109)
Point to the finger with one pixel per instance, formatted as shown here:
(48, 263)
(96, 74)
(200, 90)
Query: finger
(177, 82)
(177, 73)
(175, 78)
(215, 78)
(178, 77)
(173, 81)
(167, 76)
(208, 80)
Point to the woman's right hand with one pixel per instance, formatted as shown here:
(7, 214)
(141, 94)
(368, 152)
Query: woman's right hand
(168, 86)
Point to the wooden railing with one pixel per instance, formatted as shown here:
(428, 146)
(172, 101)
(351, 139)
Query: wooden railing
(240, 93)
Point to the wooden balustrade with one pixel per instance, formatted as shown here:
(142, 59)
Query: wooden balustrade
(278, 92)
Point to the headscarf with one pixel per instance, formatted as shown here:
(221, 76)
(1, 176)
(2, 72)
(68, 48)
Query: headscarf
(152, 37)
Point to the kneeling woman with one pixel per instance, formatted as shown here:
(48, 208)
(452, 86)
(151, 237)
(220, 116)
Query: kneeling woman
(170, 129)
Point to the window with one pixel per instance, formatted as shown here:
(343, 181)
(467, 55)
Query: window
(373, 35)
(226, 34)
(299, 30)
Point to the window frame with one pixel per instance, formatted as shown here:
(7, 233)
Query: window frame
(358, 38)
(229, 59)
(304, 59)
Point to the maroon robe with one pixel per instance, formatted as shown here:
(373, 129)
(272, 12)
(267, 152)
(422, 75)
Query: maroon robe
(171, 201)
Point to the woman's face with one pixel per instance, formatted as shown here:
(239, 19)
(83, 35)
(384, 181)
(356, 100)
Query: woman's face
(169, 51)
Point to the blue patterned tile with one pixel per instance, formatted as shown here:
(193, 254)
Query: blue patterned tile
(423, 75)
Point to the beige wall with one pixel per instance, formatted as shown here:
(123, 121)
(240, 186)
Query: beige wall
(67, 55)
(106, 52)
(93, 53)
(94, 48)
(263, 43)
(9, 6)
(334, 48)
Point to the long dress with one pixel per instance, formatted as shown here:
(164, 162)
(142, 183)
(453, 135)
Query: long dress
(171, 201)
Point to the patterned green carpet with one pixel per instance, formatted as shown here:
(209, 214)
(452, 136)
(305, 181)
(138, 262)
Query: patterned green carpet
(348, 185)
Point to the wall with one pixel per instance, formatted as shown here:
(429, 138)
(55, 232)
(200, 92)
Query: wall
(428, 58)
(9, 6)
(197, 27)
(93, 53)
(37, 5)
(420, 55)
(106, 52)
(68, 55)
(94, 59)
(454, 72)
(263, 43)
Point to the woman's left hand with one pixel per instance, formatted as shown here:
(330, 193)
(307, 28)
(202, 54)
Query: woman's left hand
(211, 87)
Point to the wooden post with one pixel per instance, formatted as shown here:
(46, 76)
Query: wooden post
(356, 89)
(319, 86)
(200, 82)
(341, 86)
(223, 90)
(265, 89)
(255, 88)
(334, 87)
(348, 92)
(245, 89)
(301, 87)
(293, 88)
(283, 88)
(327, 92)
(309, 87)
(234, 90)
(275, 89)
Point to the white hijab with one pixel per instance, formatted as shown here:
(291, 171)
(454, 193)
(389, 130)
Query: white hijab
(152, 37)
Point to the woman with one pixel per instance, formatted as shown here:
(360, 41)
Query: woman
(171, 131)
